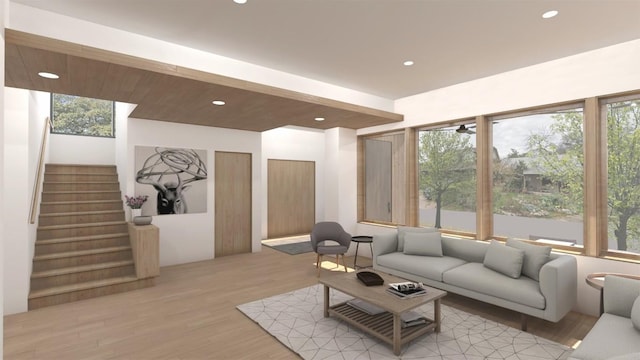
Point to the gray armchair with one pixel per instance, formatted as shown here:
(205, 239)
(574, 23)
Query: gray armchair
(329, 238)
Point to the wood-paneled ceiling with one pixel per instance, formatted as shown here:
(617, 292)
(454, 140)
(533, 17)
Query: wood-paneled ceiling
(167, 92)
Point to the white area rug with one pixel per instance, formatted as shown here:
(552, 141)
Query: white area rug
(296, 319)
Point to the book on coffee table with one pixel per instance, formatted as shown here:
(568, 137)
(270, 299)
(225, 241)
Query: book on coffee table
(406, 289)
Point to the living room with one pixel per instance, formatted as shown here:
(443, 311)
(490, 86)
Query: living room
(598, 73)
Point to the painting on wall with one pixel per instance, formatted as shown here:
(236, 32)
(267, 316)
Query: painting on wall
(174, 180)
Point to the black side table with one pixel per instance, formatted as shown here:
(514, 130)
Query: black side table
(361, 239)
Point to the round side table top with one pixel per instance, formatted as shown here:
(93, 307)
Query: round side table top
(596, 280)
(362, 239)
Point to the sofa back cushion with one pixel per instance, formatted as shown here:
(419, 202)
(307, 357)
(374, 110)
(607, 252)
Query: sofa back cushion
(465, 249)
(425, 244)
(403, 230)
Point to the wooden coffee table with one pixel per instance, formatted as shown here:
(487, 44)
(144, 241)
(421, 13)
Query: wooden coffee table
(385, 326)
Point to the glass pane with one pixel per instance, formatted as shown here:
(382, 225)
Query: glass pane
(76, 115)
(538, 177)
(623, 182)
(447, 179)
(385, 187)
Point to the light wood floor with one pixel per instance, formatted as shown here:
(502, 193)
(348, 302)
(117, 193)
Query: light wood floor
(191, 314)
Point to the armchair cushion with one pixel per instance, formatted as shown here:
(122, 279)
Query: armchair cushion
(426, 244)
(635, 313)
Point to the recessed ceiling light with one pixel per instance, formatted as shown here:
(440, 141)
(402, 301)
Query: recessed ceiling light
(549, 14)
(407, 63)
(240, 1)
(218, 102)
(319, 119)
(48, 75)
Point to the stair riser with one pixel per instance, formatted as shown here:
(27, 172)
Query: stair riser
(52, 177)
(46, 249)
(79, 169)
(88, 294)
(44, 234)
(80, 196)
(49, 208)
(81, 186)
(80, 218)
(66, 279)
(43, 265)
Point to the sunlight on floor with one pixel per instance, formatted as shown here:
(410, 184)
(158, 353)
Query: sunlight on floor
(332, 266)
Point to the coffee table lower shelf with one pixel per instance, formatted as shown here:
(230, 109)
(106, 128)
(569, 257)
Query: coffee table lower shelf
(381, 325)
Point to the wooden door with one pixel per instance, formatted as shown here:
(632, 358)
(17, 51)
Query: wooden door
(378, 171)
(291, 197)
(233, 203)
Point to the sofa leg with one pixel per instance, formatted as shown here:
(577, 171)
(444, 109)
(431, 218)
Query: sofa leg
(523, 322)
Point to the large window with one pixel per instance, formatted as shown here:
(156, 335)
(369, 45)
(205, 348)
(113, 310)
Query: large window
(75, 115)
(538, 176)
(447, 178)
(623, 175)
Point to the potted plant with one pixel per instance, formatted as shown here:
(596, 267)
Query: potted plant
(135, 204)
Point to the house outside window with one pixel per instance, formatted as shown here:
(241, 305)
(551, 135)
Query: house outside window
(76, 115)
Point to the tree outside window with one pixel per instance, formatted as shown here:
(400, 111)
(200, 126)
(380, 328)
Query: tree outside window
(76, 115)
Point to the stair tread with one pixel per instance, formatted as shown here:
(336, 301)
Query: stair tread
(50, 227)
(65, 254)
(81, 213)
(79, 238)
(81, 286)
(77, 202)
(82, 268)
(80, 191)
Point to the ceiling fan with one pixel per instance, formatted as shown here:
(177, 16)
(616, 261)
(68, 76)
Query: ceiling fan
(465, 130)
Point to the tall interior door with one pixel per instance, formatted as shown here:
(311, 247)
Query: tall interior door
(378, 170)
(291, 197)
(233, 203)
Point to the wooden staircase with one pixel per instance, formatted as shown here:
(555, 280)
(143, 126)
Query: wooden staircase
(82, 246)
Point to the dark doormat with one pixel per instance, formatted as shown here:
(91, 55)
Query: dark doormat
(294, 248)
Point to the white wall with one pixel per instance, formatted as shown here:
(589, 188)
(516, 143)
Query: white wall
(190, 237)
(81, 150)
(16, 200)
(292, 143)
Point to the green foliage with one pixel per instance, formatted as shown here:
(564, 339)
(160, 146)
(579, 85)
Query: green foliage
(82, 116)
(447, 170)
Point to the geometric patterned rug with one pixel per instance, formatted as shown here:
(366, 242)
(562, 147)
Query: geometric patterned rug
(296, 319)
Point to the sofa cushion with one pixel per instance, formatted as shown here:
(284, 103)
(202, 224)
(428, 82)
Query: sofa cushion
(476, 277)
(619, 293)
(403, 230)
(534, 257)
(635, 314)
(611, 336)
(427, 244)
(430, 267)
(466, 249)
(503, 259)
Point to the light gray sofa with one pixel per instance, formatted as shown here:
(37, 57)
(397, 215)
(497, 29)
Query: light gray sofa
(616, 334)
(469, 268)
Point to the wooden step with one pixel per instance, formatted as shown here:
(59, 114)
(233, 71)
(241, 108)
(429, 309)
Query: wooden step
(86, 290)
(78, 206)
(60, 176)
(52, 261)
(54, 196)
(80, 217)
(52, 186)
(74, 230)
(79, 243)
(77, 274)
(79, 169)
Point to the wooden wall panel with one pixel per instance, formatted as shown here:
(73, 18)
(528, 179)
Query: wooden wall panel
(378, 180)
(291, 197)
(232, 203)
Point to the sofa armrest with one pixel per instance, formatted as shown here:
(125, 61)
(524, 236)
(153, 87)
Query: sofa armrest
(619, 295)
(559, 286)
(384, 244)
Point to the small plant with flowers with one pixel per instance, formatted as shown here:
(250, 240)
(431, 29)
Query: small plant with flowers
(136, 202)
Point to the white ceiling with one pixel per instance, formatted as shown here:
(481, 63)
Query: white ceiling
(361, 44)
